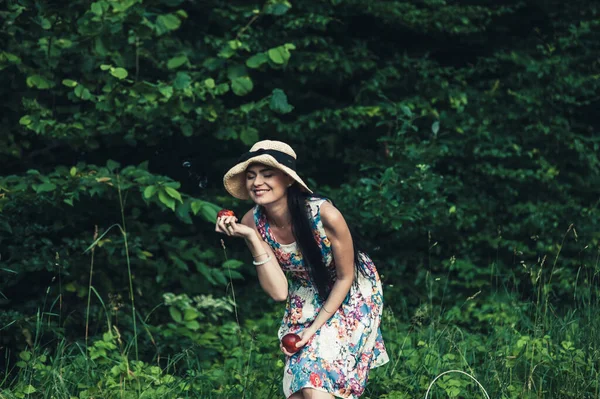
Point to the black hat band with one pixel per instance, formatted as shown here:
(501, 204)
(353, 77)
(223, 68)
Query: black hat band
(281, 157)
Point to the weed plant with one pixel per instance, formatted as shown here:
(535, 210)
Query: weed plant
(515, 346)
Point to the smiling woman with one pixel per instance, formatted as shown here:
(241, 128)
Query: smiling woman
(334, 295)
(262, 180)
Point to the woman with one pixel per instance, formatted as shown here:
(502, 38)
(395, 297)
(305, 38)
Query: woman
(334, 297)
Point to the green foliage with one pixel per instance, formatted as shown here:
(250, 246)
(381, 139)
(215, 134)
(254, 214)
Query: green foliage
(459, 139)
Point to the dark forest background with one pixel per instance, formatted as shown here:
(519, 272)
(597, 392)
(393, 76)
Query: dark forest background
(460, 138)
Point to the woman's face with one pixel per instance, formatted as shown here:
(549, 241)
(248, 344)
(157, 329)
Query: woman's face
(266, 184)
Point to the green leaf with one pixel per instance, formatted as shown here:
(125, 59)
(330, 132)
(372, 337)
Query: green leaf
(99, 46)
(149, 192)
(435, 127)
(279, 102)
(167, 200)
(123, 5)
(236, 275)
(45, 23)
(406, 111)
(257, 60)
(175, 314)
(45, 187)
(29, 389)
(177, 61)
(196, 206)
(192, 325)
(249, 136)
(209, 211)
(69, 83)
(112, 165)
(166, 91)
(232, 264)
(219, 277)
(4, 225)
(73, 171)
(182, 81)
(174, 193)
(279, 55)
(12, 58)
(179, 263)
(278, 8)
(221, 88)
(246, 108)
(25, 355)
(226, 52)
(209, 83)
(242, 85)
(205, 271)
(174, 184)
(25, 120)
(97, 8)
(39, 82)
(119, 73)
(168, 22)
(190, 314)
(105, 67)
(82, 92)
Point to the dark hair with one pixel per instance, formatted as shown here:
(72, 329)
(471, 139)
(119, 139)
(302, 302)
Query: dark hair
(311, 252)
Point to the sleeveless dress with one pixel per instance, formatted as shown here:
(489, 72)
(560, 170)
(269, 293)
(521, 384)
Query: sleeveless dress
(339, 356)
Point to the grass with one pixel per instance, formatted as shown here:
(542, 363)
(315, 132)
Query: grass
(495, 342)
(510, 356)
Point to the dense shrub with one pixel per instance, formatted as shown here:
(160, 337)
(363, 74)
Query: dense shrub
(460, 139)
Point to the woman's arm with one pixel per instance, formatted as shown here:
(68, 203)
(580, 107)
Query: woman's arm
(270, 276)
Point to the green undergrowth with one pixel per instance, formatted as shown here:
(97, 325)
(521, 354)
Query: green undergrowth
(505, 343)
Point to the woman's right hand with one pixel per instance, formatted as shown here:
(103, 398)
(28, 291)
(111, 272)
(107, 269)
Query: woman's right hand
(228, 225)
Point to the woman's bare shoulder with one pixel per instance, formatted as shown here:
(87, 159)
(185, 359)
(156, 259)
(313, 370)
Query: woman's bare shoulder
(331, 216)
(248, 219)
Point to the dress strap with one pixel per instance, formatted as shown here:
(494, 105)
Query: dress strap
(260, 219)
(260, 224)
(313, 205)
(315, 210)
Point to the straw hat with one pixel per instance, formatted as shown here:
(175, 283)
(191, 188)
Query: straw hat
(276, 154)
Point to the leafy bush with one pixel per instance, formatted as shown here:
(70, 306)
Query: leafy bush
(458, 138)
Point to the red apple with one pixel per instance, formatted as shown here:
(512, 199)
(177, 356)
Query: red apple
(225, 212)
(289, 342)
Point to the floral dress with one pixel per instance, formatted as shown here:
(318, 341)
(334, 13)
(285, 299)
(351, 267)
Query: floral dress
(337, 359)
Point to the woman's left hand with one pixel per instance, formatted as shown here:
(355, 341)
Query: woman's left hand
(306, 335)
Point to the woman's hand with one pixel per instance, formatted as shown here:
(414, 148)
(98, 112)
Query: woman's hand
(228, 225)
(305, 336)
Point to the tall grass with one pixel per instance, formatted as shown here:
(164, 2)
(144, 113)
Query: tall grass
(509, 346)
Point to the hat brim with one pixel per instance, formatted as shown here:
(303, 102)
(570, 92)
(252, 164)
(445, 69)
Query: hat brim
(235, 179)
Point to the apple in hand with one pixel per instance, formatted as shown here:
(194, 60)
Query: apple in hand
(225, 212)
(289, 342)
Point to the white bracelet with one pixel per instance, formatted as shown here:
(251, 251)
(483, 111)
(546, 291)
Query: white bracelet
(262, 262)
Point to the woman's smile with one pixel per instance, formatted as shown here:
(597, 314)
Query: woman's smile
(259, 192)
